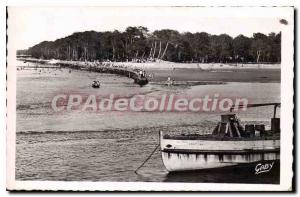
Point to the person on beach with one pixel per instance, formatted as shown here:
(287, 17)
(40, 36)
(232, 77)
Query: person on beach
(169, 81)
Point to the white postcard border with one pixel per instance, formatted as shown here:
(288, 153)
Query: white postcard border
(287, 90)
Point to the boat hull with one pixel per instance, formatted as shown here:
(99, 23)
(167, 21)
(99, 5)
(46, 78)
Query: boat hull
(183, 155)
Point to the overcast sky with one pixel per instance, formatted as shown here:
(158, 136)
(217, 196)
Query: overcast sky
(30, 25)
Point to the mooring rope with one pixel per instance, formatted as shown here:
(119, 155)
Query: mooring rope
(147, 159)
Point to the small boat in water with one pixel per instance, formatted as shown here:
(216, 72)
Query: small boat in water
(140, 78)
(141, 81)
(229, 144)
(96, 84)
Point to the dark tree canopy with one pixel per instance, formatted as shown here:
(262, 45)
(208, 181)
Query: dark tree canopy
(138, 44)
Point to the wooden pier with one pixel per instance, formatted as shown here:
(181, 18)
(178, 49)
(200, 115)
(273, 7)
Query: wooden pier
(134, 74)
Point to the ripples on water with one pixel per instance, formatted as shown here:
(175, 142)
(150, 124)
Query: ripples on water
(109, 146)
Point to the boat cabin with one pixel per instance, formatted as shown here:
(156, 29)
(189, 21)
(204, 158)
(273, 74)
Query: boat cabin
(230, 127)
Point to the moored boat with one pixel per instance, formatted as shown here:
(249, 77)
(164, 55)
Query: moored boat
(140, 78)
(96, 84)
(229, 144)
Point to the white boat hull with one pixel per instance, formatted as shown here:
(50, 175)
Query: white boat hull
(182, 155)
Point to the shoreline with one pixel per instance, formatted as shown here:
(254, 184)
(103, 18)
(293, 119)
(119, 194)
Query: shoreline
(163, 65)
(180, 73)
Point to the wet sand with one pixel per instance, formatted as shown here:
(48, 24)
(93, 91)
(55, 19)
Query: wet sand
(210, 73)
(234, 75)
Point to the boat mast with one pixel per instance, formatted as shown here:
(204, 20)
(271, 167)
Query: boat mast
(275, 107)
(257, 105)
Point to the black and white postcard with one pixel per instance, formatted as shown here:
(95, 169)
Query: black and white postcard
(150, 98)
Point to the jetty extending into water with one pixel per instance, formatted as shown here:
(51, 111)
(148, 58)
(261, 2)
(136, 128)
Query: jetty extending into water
(138, 75)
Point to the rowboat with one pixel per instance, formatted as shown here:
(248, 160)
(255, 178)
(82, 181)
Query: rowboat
(96, 84)
(229, 144)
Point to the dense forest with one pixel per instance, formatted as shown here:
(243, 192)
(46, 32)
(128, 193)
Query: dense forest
(138, 44)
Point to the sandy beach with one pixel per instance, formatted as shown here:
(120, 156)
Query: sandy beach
(165, 65)
(183, 72)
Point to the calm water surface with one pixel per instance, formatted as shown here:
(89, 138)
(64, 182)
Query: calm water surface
(109, 146)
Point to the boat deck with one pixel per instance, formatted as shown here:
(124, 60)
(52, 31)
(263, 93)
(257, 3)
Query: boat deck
(269, 136)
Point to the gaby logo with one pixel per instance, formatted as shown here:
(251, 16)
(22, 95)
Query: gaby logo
(262, 168)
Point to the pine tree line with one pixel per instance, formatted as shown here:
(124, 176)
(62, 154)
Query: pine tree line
(138, 44)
